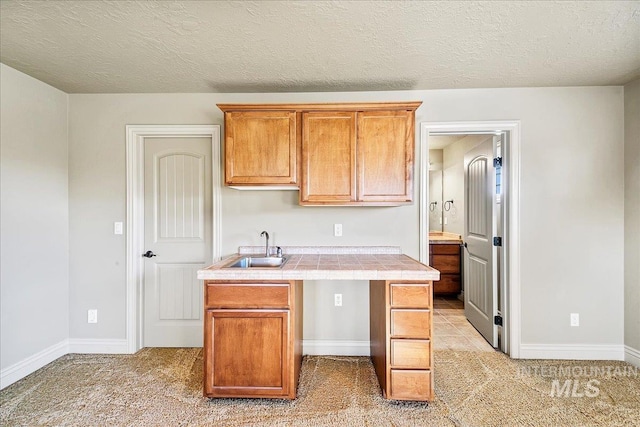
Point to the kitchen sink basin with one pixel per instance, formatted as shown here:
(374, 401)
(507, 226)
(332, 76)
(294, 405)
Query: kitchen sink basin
(258, 262)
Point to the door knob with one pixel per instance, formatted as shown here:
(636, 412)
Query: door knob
(148, 254)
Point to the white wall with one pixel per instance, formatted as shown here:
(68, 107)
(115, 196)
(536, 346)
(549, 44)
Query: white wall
(632, 216)
(34, 221)
(572, 202)
(453, 180)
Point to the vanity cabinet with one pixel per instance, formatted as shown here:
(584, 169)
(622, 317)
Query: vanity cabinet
(336, 154)
(447, 258)
(401, 318)
(260, 148)
(252, 338)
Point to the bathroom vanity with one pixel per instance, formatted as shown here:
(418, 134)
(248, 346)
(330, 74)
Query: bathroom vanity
(445, 255)
(253, 320)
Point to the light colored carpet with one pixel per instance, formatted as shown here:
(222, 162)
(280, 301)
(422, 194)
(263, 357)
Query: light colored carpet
(163, 387)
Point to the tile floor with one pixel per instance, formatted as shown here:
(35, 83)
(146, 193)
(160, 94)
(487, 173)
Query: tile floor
(452, 330)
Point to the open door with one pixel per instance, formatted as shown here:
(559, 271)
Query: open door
(480, 293)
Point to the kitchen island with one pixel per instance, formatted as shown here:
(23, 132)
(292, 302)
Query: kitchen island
(253, 320)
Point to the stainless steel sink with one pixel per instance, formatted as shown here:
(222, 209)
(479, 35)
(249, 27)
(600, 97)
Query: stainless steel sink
(258, 262)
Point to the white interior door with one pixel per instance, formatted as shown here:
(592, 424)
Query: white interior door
(480, 294)
(178, 212)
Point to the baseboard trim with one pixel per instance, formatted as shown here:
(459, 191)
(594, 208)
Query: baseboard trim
(21, 369)
(632, 355)
(572, 351)
(336, 348)
(98, 346)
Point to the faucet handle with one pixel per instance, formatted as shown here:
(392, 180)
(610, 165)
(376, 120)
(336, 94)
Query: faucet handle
(278, 251)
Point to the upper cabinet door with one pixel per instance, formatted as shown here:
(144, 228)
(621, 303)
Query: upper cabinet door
(260, 148)
(385, 156)
(328, 157)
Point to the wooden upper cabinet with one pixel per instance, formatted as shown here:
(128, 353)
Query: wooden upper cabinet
(349, 154)
(328, 157)
(385, 156)
(260, 148)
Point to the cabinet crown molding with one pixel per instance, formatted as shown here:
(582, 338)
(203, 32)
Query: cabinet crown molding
(348, 106)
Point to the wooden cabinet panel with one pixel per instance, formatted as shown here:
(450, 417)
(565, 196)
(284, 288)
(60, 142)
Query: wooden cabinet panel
(260, 148)
(410, 323)
(252, 352)
(410, 296)
(406, 353)
(248, 295)
(445, 249)
(328, 157)
(411, 385)
(447, 263)
(247, 352)
(448, 284)
(446, 258)
(385, 156)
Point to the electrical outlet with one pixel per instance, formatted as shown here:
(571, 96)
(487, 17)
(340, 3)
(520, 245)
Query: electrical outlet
(117, 228)
(92, 316)
(337, 300)
(337, 230)
(575, 319)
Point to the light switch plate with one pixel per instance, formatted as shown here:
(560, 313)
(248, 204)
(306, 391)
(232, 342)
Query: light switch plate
(575, 319)
(117, 228)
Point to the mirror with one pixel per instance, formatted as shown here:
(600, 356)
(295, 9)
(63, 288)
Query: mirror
(446, 179)
(435, 200)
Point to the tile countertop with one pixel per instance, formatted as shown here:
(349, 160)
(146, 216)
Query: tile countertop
(326, 263)
(444, 237)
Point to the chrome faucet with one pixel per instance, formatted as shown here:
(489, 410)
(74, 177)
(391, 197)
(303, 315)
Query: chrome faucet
(266, 249)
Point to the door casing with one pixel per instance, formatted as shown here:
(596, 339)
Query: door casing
(510, 287)
(135, 137)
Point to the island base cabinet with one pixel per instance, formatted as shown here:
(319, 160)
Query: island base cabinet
(401, 314)
(246, 353)
(253, 351)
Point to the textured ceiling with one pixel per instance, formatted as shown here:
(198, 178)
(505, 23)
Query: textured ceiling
(287, 46)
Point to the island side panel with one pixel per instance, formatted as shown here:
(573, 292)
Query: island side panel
(378, 330)
(296, 335)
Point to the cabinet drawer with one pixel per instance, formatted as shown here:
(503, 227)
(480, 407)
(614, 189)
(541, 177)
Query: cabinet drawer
(248, 295)
(410, 323)
(411, 296)
(411, 353)
(448, 284)
(444, 249)
(446, 263)
(411, 385)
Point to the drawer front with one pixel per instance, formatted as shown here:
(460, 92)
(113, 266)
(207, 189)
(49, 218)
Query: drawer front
(411, 385)
(410, 323)
(248, 295)
(444, 249)
(414, 354)
(411, 296)
(448, 284)
(446, 263)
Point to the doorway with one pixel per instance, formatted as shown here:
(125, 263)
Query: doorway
(144, 240)
(489, 293)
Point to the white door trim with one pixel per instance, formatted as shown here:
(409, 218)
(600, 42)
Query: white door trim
(513, 209)
(135, 211)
